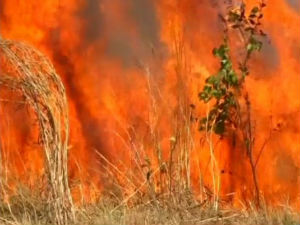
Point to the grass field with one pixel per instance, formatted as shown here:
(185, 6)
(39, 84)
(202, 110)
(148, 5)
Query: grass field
(27, 209)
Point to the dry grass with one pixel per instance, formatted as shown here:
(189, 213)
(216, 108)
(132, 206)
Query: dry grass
(29, 211)
(164, 215)
(27, 72)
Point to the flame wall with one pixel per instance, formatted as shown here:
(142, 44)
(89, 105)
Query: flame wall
(131, 68)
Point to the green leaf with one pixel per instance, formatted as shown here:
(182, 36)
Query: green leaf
(223, 91)
(233, 79)
(231, 100)
(207, 89)
(254, 10)
(226, 64)
(213, 80)
(254, 45)
(216, 93)
(206, 95)
(221, 51)
(219, 127)
(233, 16)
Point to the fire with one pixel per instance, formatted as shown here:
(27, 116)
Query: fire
(132, 69)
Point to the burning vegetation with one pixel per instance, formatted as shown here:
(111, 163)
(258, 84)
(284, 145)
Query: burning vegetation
(143, 118)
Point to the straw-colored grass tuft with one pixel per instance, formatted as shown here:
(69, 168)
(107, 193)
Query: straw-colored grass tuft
(27, 72)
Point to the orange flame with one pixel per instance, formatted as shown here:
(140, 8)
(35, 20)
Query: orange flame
(132, 68)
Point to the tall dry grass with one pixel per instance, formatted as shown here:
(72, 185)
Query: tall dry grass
(25, 71)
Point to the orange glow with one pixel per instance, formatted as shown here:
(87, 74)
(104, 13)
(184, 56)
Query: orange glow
(130, 83)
